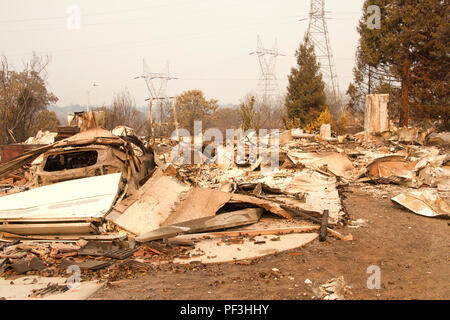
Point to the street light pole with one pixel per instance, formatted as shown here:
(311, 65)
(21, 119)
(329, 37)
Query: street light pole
(150, 116)
(175, 116)
(88, 92)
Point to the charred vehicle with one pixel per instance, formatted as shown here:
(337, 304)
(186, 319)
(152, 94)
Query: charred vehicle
(74, 183)
(91, 153)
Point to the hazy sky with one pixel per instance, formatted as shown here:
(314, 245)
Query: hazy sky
(206, 42)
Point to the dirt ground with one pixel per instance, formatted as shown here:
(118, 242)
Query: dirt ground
(413, 253)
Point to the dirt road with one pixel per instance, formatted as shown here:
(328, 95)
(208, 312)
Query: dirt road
(412, 252)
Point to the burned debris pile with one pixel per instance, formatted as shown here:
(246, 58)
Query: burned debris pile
(106, 200)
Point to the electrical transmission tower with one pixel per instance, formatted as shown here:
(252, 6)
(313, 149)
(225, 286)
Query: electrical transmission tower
(268, 83)
(319, 36)
(157, 89)
(156, 82)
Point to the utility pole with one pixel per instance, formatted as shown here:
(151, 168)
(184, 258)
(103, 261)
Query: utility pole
(87, 93)
(151, 115)
(319, 36)
(268, 83)
(175, 117)
(156, 91)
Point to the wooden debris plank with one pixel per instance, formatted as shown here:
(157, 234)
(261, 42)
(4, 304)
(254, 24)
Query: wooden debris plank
(155, 251)
(251, 232)
(323, 226)
(70, 238)
(340, 236)
(120, 254)
(221, 221)
(263, 232)
(50, 228)
(87, 265)
(24, 266)
(302, 213)
(180, 242)
(267, 205)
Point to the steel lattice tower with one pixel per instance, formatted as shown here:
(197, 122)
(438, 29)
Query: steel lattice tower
(268, 83)
(157, 89)
(156, 82)
(318, 34)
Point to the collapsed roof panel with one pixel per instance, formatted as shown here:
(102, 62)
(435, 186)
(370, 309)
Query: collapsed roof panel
(76, 200)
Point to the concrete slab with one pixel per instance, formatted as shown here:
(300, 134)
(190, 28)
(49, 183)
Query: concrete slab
(20, 288)
(217, 251)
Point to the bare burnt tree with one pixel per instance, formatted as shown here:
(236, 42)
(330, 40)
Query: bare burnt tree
(123, 112)
(23, 96)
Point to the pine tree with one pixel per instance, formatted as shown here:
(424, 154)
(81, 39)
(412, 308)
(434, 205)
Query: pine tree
(305, 98)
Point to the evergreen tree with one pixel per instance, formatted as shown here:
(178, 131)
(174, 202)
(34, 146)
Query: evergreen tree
(368, 79)
(305, 98)
(410, 46)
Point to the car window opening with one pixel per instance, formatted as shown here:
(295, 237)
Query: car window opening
(72, 160)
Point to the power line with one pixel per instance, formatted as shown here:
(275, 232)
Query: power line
(122, 45)
(101, 13)
(60, 26)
